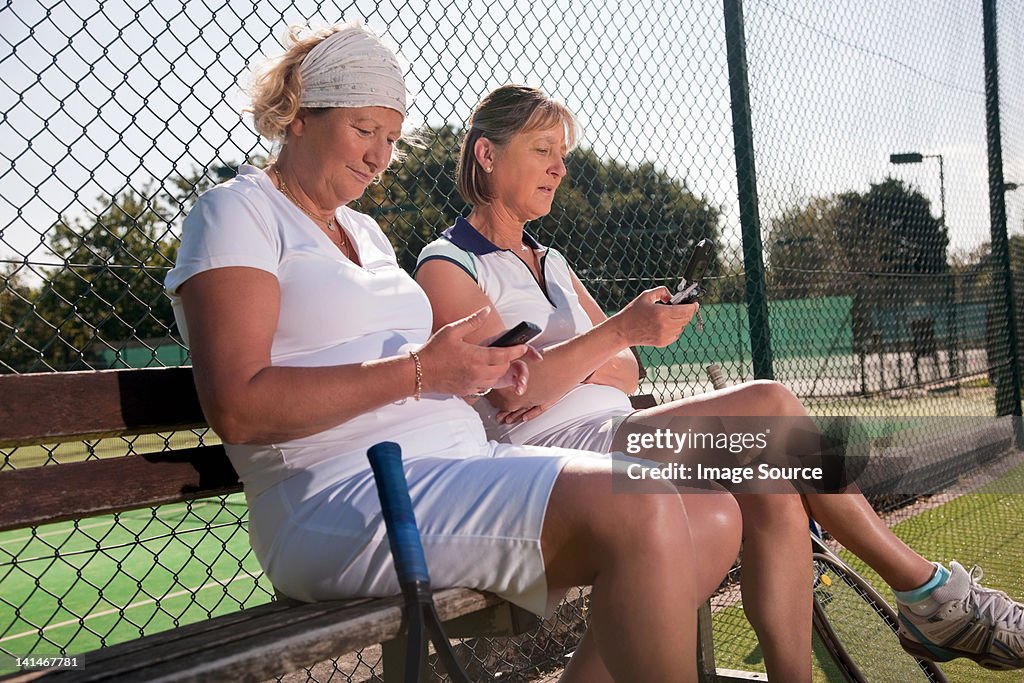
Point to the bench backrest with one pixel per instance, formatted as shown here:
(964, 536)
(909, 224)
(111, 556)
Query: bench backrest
(61, 407)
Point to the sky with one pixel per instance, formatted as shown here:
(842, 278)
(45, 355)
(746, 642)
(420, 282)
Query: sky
(96, 96)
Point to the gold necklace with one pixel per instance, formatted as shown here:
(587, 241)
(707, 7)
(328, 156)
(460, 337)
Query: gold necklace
(316, 219)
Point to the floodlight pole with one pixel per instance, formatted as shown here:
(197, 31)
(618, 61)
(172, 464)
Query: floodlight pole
(916, 158)
(952, 326)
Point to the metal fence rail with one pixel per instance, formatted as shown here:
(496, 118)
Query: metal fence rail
(855, 216)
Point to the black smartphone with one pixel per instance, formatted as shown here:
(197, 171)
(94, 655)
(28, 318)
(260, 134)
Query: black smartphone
(520, 334)
(690, 289)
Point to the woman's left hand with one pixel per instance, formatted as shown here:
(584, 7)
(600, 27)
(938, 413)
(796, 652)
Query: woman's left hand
(520, 415)
(518, 374)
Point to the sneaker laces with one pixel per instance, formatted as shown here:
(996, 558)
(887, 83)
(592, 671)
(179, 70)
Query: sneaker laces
(996, 605)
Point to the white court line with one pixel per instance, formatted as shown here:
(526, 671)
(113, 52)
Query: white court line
(72, 529)
(55, 532)
(178, 594)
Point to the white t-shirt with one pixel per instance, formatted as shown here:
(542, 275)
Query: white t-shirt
(333, 312)
(554, 306)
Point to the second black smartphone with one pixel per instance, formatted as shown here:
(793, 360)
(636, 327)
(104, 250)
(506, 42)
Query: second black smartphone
(520, 334)
(690, 289)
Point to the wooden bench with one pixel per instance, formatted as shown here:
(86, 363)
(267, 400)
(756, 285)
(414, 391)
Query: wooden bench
(255, 643)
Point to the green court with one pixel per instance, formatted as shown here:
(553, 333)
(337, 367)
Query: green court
(75, 587)
(984, 527)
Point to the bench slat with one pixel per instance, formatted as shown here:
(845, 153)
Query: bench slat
(641, 401)
(261, 642)
(42, 495)
(51, 407)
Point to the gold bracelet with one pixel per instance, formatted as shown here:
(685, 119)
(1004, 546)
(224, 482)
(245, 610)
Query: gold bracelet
(419, 375)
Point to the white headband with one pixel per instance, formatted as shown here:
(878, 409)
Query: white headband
(352, 68)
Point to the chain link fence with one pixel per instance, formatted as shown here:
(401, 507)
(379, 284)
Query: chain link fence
(864, 234)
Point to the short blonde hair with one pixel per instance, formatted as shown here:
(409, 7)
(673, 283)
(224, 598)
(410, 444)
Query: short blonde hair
(505, 112)
(276, 90)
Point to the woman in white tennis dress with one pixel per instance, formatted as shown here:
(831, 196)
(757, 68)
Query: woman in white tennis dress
(511, 163)
(310, 344)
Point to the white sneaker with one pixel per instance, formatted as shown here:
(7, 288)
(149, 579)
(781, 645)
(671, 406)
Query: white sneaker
(970, 621)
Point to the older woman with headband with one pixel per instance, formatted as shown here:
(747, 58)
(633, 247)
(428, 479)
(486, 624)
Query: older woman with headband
(310, 344)
(510, 165)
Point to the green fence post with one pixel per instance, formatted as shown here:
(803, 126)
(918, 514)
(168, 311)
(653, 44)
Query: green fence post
(746, 180)
(1007, 390)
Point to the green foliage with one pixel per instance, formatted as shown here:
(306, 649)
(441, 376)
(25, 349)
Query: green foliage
(109, 287)
(977, 283)
(882, 247)
(22, 332)
(108, 292)
(416, 200)
(624, 229)
(806, 260)
(881, 240)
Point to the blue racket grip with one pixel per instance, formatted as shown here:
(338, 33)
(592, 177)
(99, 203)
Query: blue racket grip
(403, 535)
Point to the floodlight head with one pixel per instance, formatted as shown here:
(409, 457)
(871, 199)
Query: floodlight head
(908, 158)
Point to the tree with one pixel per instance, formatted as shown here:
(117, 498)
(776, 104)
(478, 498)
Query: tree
(626, 229)
(108, 290)
(622, 228)
(886, 238)
(978, 286)
(417, 199)
(22, 332)
(882, 247)
(805, 259)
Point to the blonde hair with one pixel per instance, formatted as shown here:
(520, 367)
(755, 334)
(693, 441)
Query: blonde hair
(276, 89)
(505, 112)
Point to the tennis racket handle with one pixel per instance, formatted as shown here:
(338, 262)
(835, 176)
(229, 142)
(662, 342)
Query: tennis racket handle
(403, 536)
(715, 375)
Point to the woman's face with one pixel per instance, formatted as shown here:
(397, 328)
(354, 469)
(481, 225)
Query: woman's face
(349, 146)
(527, 171)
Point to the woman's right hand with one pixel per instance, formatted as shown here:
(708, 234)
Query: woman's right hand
(646, 322)
(454, 366)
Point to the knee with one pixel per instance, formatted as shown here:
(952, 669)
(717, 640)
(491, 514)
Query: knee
(725, 519)
(775, 398)
(778, 512)
(716, 524)
(650, 518)
(660, 524)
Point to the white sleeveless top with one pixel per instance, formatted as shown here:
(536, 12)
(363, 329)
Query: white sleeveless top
(332, 312)
(517, 295)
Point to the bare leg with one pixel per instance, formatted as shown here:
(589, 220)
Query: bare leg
(776, 582)
(639, 553)
(777, 568)
(586, 665)
(848, 516)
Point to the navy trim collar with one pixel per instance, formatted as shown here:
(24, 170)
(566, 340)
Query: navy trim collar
(465, 236)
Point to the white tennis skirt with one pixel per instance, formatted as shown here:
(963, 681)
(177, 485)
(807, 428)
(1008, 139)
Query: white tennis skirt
(584, 419)
(480, 520)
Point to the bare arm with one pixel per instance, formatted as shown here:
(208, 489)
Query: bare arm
(232, 314)
(564, 365)
(621, 370)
